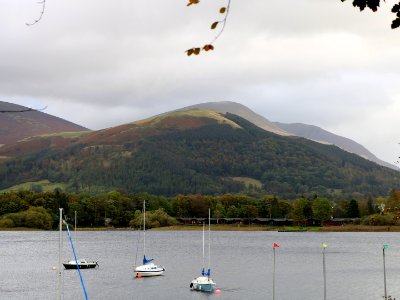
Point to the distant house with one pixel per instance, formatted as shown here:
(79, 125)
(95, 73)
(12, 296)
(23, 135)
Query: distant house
(341, 221)
(308, 222)
(191, 220)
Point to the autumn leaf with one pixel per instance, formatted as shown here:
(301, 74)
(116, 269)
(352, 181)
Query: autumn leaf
(208, 47)
(222, 10)
(193, 2)
(214, 25)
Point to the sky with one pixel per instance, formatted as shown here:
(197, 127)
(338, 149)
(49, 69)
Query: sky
(102, 63)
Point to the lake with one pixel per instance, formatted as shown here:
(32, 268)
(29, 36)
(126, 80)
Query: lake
(241, 264)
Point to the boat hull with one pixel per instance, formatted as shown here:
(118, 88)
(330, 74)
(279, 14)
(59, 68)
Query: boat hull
(203, 284)
(82, 263)
(83, 266)
(149, 270)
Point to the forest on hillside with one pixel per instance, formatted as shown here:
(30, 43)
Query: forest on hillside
(206, 160)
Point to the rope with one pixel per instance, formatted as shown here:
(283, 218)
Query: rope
(76, 261)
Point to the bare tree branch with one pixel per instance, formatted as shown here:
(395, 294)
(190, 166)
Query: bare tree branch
(43, 3)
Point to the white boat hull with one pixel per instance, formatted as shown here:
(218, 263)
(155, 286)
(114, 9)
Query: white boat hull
(203, 284)
(149, 270)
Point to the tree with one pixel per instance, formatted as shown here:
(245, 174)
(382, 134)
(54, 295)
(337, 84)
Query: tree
(322, 209)
(219, 211)
(353, 211)
(154, 219)
(302, 209)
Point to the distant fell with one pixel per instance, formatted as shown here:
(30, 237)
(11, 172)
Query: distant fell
(15, 126)
(320, 135)
(310, 132)
(241, 111)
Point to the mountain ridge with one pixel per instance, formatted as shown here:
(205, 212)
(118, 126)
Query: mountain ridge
(194, 152)
(15, 126)
(319, 134)
(310, 132)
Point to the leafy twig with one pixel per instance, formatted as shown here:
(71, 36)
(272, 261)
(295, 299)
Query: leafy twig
(210, 46)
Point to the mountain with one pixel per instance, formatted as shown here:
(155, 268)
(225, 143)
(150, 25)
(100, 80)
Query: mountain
(303, 130)
(318, 134)
(15, 126)
(193, 152)
(241, 111)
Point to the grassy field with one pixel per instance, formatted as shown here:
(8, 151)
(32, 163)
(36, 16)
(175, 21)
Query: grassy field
(45, 185)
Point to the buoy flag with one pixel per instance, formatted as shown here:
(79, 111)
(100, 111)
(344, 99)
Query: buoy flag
(276, 245)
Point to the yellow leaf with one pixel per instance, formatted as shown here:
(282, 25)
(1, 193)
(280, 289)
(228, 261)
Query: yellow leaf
(214, 25)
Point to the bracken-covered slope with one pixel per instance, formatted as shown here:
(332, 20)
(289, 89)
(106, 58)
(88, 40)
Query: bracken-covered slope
(15, 126)
(193, 152)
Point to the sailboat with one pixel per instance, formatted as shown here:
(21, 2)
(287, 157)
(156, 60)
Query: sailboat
(80, 263)
(204, 283)
(148, 268)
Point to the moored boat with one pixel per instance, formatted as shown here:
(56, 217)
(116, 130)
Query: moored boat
(83, 264)
(204, 283)
(148, 268)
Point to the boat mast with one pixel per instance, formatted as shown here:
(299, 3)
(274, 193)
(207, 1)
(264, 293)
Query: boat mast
(75, 226)
(59, 255)
(144, 227)
(203, 247)
(209, 238)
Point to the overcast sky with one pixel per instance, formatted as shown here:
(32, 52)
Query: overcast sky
(101, 63)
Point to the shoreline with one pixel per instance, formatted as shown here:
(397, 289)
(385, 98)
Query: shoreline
(241, 227)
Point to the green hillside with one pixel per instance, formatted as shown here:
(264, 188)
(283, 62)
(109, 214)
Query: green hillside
(190, 153)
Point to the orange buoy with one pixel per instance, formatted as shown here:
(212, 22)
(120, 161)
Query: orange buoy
(139, 275)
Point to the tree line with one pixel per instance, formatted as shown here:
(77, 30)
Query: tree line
(119, 209)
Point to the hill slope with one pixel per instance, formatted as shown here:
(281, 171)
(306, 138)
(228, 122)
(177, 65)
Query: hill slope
(17, 126)
(241, 111)
(318, 134)
(194, 152)
(303, 130)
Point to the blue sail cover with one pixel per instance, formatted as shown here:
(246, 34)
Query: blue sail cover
(146, 261)
(203, 273)
(208, 273)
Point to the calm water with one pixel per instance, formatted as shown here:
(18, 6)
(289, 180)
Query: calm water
(241, 262)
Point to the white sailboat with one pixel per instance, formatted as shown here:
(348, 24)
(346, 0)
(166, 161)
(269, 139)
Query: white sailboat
(148, 268)
(204, 283)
